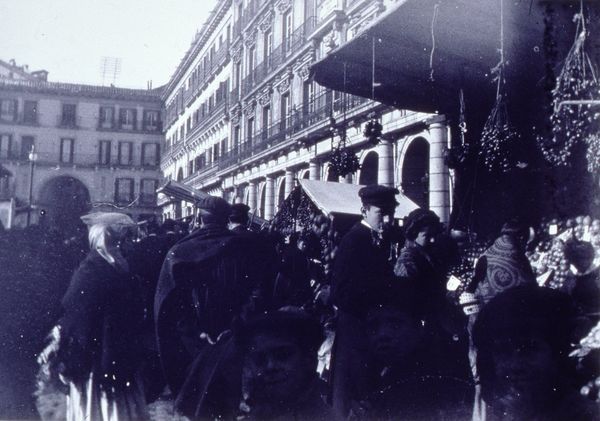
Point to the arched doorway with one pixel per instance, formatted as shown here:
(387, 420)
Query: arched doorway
(306, 175)
(369, 169)
(415, 172)
(62, 201)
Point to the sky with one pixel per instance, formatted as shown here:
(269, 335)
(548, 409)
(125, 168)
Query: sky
(70, 38)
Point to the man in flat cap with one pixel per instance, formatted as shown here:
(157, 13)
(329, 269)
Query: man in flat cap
(209, 280)
(362, 263)
(238, 219)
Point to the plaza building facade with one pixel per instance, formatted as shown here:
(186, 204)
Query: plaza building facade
(65, 147)
(244, 120)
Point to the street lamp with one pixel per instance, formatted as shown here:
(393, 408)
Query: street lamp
(32, 158)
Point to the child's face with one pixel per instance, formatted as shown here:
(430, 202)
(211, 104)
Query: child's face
(525, 366)
(392, 334)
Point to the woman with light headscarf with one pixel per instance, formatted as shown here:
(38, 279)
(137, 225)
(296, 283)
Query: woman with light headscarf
(100, 349)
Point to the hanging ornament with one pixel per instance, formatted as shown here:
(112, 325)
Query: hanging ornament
(576, 89)
(499, 140)
(593, 154)
(343, 161)
(373, 130)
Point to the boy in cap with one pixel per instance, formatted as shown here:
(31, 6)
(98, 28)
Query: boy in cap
(361, 264)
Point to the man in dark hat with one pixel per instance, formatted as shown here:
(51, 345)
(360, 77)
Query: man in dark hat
(279, 380)
(238, 220)
(361, 264)
(209, 280)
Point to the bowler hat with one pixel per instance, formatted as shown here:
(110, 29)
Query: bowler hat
(377, 195)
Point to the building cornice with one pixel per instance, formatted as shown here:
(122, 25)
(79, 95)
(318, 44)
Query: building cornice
(215, 17)
(73, 89)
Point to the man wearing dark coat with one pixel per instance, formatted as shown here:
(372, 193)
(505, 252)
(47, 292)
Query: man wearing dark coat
(362, 263)
(209, 280)
(238, 219)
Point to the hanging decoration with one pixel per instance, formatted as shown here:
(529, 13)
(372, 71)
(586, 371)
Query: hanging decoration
(576, 93)
(373, 131)
(343, 160)
(457, 155)
(593, 154)
(499, 140)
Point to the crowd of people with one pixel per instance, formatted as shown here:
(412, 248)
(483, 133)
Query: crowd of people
(226, 323)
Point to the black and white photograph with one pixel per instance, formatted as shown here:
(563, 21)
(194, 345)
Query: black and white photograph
(305, 210)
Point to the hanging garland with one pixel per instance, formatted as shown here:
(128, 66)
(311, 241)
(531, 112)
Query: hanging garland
(499, 140)
(343, 161)
(373, 130)
(572, 117)
(593, 154)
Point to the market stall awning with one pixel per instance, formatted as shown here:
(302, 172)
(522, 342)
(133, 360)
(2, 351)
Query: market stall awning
(426, 51)
(331, 198)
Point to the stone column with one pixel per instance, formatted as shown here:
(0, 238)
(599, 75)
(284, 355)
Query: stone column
(289, 182)
(238, 194)
(439, 195)
(313, 170)
(269, 196)
(385, 173)
(252, 196)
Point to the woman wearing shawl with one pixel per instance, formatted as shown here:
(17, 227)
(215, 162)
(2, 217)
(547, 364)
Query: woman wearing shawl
(99, 349)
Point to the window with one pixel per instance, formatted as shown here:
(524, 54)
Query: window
(249, 131)
(238, 76)
(189, 124)
(308, 98)
(30, 112)
(266, 118)
(215, 153)
(69, 115)
(125, 153)
(26, 146)
(8, 109)
(267, 47)
(124, 190)
(285, 104)
(200, 162)
(104, 152)
(66, 150)
(150, 155)
(127, 118)
(287, 31)
(236, 136)
(148, 191)
(6, 146)
(181, 132)
(251, 59)
(190, 170)
(151, 120)
(107, 117)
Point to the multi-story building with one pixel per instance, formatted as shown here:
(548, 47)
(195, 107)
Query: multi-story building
(67, 146)
(244, 120)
